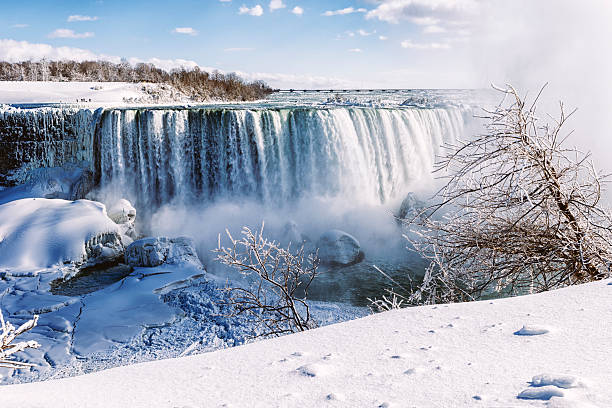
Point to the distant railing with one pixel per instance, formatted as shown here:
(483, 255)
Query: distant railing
(339, 90)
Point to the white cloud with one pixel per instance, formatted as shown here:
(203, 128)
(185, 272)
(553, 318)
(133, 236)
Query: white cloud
(364, 33)
(297, 81)
(424, 20)
(20, 25)
(225, 1)
(355, 50)
(383, 37)
(348, 10)
(393, 11)
(15, 51)
(276, 4)
(254, 11)
(185, 30)
(170, 64)
(424, 46)
(434, 29)
(238, 49)
(298, 11)
(66, 33)
(78, 17)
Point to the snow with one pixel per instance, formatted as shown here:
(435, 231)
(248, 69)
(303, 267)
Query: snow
(24, 92)
(39, 233)
(459, 355)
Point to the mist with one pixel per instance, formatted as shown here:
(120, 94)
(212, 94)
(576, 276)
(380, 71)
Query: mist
(560, 42)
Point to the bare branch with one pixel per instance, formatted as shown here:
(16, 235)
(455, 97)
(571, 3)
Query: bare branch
(276, 300)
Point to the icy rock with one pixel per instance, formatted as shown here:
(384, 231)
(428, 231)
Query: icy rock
(103, 248)
(338, 247)
(38, 232)
(154, 251)
(410, 206)
(123, 213)
(70, 182)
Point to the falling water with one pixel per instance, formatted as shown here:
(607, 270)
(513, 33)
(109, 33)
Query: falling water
(188, 156)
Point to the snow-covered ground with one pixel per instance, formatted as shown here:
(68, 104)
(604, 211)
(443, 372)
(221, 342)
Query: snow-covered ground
(17, 92)
(486, 353)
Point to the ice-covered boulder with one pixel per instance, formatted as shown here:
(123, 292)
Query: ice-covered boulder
(410, 206)
(124, 214)
(340, 248)
(154, 251)
(122, 211)
(38, 233)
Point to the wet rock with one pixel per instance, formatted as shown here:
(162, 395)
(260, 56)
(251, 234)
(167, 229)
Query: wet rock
(410, 206)
(339, 248)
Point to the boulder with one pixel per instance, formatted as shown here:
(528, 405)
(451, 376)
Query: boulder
(124, 214)
(410, 206)
(154, 251)
(104, 248)
(339, 248)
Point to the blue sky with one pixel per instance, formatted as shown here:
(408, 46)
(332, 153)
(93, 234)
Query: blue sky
(316, 43)
(297, 43)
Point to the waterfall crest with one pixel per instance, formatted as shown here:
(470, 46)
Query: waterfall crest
(371, 155)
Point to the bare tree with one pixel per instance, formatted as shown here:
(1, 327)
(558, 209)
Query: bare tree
(519, 212)
(276, 300)
(8, 333)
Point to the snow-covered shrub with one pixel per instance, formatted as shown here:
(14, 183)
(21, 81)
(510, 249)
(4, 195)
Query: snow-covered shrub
(276, 300)
(8, 333)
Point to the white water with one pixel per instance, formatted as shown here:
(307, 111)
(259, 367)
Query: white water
(276, 157)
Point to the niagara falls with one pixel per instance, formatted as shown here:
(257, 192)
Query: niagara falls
(289, 203)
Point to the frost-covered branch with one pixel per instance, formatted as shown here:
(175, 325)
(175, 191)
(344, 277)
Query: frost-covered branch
(519, 212)
(276, 300)
(8, 333)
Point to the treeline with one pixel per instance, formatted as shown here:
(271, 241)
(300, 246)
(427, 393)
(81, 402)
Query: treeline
(194, 83)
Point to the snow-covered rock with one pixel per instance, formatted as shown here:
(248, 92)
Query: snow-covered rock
(154, 251)
(338, 247)
(122, 211)
(124, 214)
(38, 233)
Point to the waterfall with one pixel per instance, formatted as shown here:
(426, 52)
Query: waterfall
(371, 155)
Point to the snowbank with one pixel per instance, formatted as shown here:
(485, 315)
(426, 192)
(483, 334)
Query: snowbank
(459, 355)
(39, 233)
(16, 92)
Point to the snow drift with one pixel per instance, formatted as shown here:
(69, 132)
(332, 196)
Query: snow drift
(38, 233)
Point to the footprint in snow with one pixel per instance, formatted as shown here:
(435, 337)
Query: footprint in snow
(312, 370)
(528, 330)
(546, 386)
(561, 381)
(335, 397)
(541, 393)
